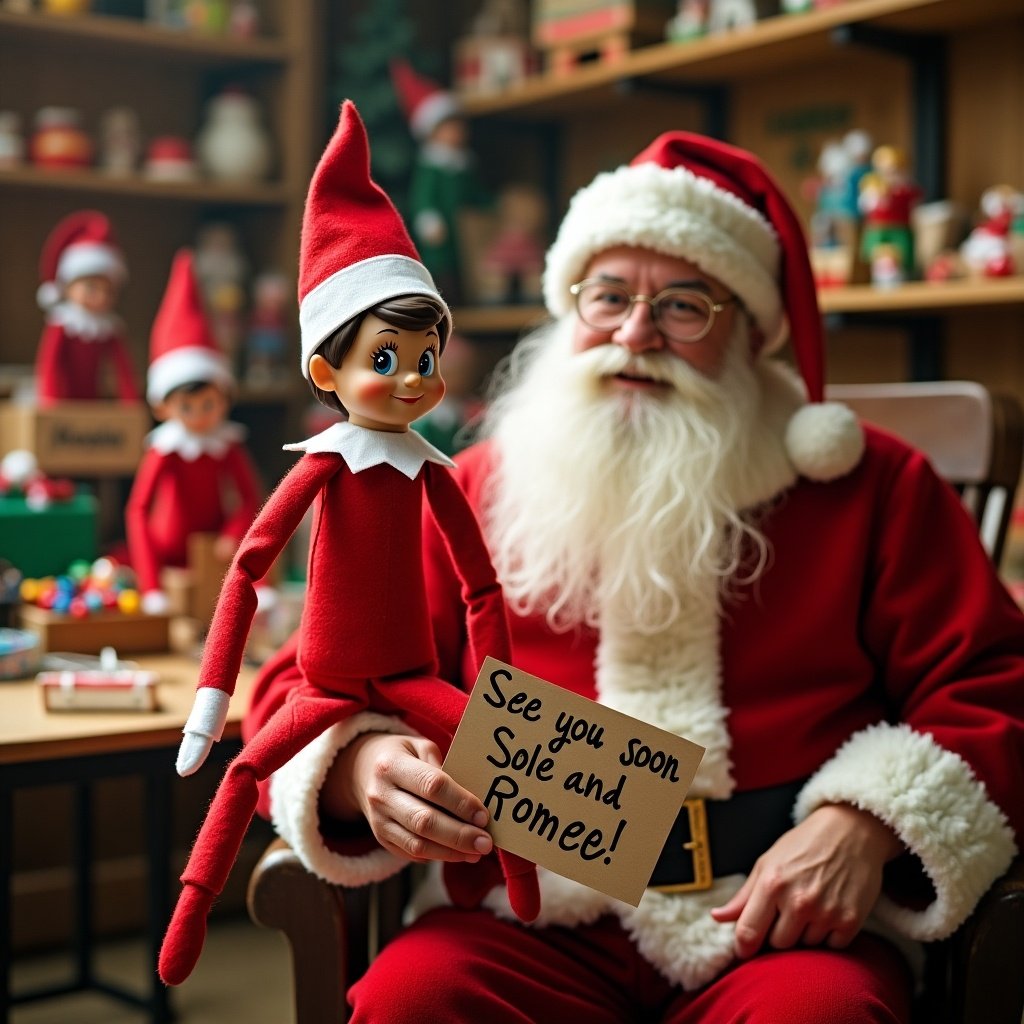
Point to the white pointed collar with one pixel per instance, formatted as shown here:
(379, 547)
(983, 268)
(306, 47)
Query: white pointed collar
(172, 436)
(362, 448)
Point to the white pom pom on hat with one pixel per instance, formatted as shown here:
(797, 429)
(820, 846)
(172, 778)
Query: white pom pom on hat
(716, 206)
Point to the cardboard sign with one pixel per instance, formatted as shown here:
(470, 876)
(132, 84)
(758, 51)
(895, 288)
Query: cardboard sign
(583, 790)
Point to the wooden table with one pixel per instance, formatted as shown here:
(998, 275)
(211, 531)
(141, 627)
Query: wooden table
(39, 748)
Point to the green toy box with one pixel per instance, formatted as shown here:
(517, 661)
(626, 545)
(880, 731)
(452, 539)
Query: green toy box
(47, 541)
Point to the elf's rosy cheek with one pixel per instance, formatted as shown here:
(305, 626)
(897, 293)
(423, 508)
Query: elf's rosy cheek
(374, 387)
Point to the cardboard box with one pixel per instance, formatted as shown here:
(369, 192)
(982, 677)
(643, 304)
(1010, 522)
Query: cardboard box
(78, 438)
(567, 22)
(127, 634)
(45, 542)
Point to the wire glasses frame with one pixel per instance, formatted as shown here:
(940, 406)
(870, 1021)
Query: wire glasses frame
(679, 313)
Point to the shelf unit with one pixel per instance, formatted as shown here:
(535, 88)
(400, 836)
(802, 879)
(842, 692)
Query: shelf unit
(781, 88)
(94, 62)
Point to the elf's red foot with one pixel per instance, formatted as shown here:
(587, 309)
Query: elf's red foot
(468, 884)
(523, 887)
(185, 934)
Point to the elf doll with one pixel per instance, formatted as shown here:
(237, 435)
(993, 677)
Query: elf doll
(444, 176)
(82, 271)
(373, 328)
(195, 476)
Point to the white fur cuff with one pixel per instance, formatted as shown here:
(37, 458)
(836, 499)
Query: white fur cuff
(931, 798)
(294, 801)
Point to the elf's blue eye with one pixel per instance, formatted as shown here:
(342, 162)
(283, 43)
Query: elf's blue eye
(385, 361)
(428, 363)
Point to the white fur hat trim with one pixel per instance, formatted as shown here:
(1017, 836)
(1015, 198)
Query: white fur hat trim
(674, 212)
(184, 366)
(824, 441)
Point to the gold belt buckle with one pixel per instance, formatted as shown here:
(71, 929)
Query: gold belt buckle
(698, 848)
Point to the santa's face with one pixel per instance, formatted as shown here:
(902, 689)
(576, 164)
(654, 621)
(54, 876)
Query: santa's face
(94, 293)
(647, 273)
(388, 378)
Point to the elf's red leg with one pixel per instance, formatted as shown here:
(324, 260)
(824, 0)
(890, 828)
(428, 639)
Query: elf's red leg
(467, 884)
(304, 717)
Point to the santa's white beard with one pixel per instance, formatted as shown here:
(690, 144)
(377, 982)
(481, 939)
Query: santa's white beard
(622, 498)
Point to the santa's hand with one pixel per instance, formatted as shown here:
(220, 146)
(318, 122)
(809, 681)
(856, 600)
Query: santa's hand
(204, 727)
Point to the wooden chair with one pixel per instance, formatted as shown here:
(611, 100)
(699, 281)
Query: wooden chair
(975, 439)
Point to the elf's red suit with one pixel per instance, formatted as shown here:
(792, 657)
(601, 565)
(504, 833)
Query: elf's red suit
(184, 485)
(879, 659)
(70, 363)
(365, 638)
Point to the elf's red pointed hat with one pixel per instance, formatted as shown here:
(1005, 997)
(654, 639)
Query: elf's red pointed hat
(717, 206)
(81, 245)
(424, 103)
(182, 348)
(355, 251)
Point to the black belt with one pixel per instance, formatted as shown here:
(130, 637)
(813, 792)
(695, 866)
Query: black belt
(714, 838)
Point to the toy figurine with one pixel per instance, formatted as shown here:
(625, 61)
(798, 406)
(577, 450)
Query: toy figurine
(82, 270)
(222, 269)
(887, 197)
(266, 341)
(988, 250)
(511, 264)
(689, 22)
(444, 177)
(373, 328)
(195, 476)
(120, 141)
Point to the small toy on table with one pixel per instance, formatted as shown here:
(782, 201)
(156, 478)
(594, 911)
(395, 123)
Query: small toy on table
(512, 263)
(82, 270)
(373, 331)
(195, 476)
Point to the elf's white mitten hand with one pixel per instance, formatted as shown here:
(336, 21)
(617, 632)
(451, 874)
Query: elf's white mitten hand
(204, 727)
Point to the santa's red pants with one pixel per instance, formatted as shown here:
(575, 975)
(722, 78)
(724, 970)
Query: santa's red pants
(467, 965)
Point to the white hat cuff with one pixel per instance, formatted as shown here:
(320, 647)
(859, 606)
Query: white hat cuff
(185, 366)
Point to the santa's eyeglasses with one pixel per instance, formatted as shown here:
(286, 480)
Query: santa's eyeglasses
(680, 314)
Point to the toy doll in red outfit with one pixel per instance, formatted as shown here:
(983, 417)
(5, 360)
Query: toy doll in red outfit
(373, 329)
(195, 476)
(82, 270)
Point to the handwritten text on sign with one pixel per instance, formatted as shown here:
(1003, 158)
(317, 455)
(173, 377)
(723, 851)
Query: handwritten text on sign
(586, 791)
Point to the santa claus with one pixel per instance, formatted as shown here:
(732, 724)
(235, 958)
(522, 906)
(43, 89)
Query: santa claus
(687, 532)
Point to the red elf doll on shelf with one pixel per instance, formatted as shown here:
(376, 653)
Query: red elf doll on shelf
(196, 476)
(373, 329)
(82, 271)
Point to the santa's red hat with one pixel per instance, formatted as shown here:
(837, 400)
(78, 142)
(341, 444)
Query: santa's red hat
(182, 348)
(425, 103)
(717, 206)
(356, 253)
(81, 245)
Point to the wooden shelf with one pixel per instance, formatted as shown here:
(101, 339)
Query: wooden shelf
(93, 182)
(139, 40)
(923, 296)
(773, 44)
(915, 297)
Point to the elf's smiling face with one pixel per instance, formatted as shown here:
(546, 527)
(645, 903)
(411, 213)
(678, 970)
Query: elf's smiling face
(389, 377)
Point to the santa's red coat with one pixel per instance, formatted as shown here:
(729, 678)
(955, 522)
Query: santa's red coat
(69, 368)
(878, 656)
(174, 497)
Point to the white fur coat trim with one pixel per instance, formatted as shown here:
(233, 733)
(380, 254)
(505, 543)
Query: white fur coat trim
(931, 798)
(294, 801)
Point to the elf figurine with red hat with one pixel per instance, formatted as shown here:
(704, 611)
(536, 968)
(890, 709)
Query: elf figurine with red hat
(373, 329)
(444, 178)
(196, 476)
(82, 270)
